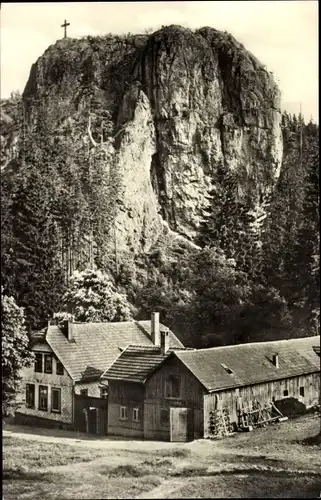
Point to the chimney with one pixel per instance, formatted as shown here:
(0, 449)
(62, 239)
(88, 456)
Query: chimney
(164, 341)
(276, 360)
(67, 328)
(155, 333)
(71, 329)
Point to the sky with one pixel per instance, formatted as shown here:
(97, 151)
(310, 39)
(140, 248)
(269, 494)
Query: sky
(282, 34)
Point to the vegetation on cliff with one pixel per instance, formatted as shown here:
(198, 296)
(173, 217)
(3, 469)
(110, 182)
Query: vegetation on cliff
(125, 131)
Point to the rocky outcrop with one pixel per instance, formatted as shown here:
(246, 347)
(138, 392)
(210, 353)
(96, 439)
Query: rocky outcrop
(212, 101)
(170, 107)
(10, 128)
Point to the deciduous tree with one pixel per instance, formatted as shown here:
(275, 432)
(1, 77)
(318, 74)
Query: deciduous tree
(15, 352)
(92, 297)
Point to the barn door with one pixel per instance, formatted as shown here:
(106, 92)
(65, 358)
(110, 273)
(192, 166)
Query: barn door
(179, 419)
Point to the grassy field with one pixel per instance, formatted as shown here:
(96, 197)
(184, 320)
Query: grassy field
(279, 461)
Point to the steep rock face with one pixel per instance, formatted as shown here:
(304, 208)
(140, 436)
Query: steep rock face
(10, 126)
(212, 102)
(138, 221)
(170, 107)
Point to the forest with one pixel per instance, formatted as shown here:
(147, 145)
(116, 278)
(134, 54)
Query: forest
(254, 277)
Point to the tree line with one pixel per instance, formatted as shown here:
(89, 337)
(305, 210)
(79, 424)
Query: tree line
(255, 278)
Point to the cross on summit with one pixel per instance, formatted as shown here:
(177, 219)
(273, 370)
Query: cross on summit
(65, 28)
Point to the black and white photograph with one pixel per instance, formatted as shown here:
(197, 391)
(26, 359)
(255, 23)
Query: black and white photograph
(160, 250)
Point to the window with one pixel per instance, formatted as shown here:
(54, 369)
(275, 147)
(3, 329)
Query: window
(84, 392)
(48, 363)
(227, 369)
(123, 413)
(164, 417)
(104, 392)
(286, 392)
(55, 400)
(172, 387)
(302, 391)
(136, 416)
(38, 362)
(30, 395)
(43, 397)
(59, 368)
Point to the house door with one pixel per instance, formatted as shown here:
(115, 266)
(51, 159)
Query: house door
(92, 420)
(179, 424)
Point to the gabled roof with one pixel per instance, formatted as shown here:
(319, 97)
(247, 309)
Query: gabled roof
(39, 336)
(250, 363)
(135, 363)
(91, 373)
(97, 345)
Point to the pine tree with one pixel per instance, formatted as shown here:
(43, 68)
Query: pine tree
(290, 244)
(307, 248)
(231, 223)
(35, 272)
(285, 217)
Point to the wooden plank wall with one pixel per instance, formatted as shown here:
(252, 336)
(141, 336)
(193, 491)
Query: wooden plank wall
(191, 396)
(132, 396)
(264, 393)
(84, 403)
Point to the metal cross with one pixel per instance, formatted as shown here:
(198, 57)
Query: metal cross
(65, 28)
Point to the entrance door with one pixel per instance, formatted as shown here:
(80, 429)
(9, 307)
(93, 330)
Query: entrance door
(92, 420)
(179, 420)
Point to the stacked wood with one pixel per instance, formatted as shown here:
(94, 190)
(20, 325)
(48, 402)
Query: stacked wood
(220, 424)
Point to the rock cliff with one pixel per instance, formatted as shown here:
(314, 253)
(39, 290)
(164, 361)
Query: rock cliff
(167, 108)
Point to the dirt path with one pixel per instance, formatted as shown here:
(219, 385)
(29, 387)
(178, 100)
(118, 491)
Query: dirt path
(165, 489)
(107, 443)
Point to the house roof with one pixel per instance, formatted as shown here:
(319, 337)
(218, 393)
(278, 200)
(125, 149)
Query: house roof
(97, 345)
(135, 363)
(39, 336)
(250, 363)
(221, 368)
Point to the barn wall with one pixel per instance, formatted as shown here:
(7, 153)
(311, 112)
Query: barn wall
(51, 380)
(191, 396)
(264, 393)
(130, 395)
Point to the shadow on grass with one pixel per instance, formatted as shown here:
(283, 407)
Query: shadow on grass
(191, 471)
(25, 475)
(174, 453)
(312, 441)
(158, 462)
(201, 471)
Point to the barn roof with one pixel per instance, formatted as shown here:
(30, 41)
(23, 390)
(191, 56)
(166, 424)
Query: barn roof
(96, 345)
(227, 367)
(135, 363)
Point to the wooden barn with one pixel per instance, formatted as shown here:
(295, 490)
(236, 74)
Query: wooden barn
(163, 394)
(64, 388)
